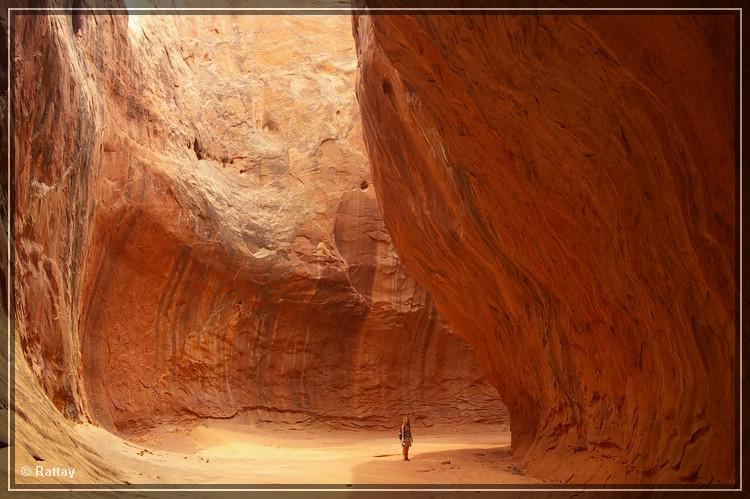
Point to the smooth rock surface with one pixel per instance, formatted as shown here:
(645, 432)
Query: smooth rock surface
(564, 186)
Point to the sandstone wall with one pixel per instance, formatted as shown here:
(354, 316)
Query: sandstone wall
(564, 186)
(196, 234)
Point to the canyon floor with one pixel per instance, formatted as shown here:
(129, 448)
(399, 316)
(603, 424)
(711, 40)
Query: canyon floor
(234, 452)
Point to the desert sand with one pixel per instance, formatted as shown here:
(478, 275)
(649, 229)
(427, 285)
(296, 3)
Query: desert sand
(235, 452)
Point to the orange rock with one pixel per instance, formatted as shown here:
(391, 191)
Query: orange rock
(564, 187)
(196, 234)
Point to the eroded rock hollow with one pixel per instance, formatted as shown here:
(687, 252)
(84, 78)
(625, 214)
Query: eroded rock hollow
(564, 187)
(197, 235)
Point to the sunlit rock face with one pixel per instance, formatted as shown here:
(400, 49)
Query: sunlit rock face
(564, 187)
(197, 235)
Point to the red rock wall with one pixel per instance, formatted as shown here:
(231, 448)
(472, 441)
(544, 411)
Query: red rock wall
(196, 234)
(564, 188)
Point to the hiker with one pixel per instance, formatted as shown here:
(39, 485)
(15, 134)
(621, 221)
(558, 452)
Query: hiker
(404, 435)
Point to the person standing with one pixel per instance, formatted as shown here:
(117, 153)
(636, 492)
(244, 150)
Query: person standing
(404, 435)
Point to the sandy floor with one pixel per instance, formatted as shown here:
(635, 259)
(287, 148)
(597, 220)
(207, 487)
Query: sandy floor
(230, 452)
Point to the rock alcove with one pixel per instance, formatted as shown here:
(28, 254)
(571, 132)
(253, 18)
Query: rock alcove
(320, 221)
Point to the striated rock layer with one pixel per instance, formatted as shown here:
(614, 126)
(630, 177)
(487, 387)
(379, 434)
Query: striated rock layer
(196, 234)
(564, 186)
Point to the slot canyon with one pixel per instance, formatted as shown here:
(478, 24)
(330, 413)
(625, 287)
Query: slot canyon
(259, 241)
